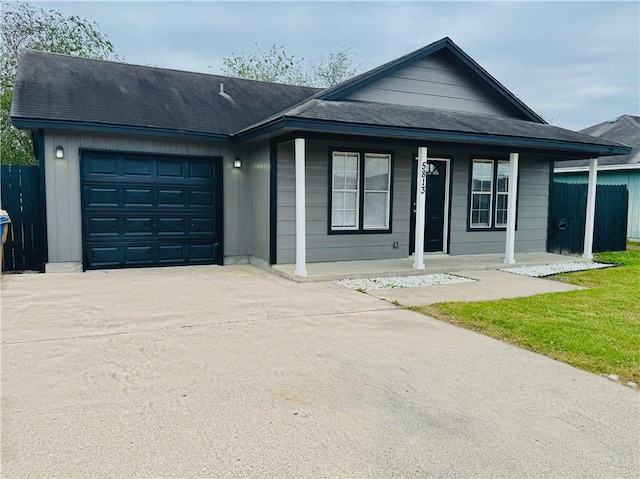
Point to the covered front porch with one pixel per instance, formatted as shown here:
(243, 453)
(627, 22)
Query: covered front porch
(466, 243)
(434, 263)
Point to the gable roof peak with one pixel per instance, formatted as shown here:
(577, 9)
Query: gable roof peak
(342, 89)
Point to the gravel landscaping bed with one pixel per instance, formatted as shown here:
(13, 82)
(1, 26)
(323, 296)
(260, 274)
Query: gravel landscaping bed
(557, 268)
(390, 282)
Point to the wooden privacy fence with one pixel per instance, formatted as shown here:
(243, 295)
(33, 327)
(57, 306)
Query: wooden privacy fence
(567, 216)
(21, 198)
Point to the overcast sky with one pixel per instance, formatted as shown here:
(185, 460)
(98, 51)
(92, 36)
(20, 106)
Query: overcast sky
(575, 63)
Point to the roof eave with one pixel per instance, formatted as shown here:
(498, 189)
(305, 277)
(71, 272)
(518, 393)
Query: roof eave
(86, 126)
(427, 135)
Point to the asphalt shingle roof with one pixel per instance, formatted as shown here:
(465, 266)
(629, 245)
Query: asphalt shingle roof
(380, 114)
(79, 91)
(624, 129)
(66, 88)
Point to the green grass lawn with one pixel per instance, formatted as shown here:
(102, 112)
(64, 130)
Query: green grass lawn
(597, 329)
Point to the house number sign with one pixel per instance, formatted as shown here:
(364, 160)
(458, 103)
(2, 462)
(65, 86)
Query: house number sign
(423, 187)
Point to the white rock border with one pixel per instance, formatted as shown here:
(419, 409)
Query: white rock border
(390, 282)
(557, 268)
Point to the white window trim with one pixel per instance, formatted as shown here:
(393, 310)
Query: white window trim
(342, 190)
(503, 193)
(490, 193)
(360, 228)
(387, 191)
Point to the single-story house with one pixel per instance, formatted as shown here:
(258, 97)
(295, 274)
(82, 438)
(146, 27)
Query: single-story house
(612, 170)
(147, 166)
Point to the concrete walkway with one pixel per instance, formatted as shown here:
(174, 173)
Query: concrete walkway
(232, 372)
(434, 263)
(490, 284)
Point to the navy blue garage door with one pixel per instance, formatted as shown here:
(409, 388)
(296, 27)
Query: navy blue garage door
(150, 210)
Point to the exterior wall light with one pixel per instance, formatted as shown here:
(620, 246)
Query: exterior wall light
(59, 152)
(237, 163)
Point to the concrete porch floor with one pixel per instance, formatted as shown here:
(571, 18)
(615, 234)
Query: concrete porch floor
(434, 263)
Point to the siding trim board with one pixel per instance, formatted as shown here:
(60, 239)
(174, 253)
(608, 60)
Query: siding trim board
(38, 149)
(273, 201)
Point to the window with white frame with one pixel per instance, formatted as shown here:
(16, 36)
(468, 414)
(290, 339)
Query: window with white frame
(502, 194)
(360, 191)
(481, 193)
(345, 191)
(489, 194)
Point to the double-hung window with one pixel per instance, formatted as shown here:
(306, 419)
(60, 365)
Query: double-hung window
(489, 194)
(360, 191)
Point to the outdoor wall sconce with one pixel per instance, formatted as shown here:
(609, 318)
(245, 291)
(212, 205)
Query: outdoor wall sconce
(237, 163)
(59, 152)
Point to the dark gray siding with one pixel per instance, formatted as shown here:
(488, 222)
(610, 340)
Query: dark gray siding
(437, 81)
(531, 234)
(257, 161)
(322, 246)
(64, 214)
(533, 202)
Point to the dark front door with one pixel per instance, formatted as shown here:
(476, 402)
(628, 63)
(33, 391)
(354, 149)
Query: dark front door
(434, 209)
(150, 210)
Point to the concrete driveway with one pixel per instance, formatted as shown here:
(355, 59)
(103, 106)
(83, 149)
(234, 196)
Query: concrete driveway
(232, 372)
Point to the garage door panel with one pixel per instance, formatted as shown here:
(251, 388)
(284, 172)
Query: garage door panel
(201, 170)
(202, 225)
(201, 198)
(96, 196)
(172, 253)
(138, 197)
(103, 226)
(171, 198)
(138, 254)
(104, 256)
(150, 210)
(102, 167)
(137, 168)
(171, 169)
(203, 252)
(172, 225)
(137, 226)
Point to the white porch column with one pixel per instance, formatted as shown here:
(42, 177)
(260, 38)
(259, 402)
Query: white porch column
(510, 249)
(421, 196)
(301, 239)
(591, 210)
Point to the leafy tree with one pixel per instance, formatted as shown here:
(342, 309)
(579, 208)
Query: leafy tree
(275, 65)
(25, 26)
(271, 66)
(334, 68)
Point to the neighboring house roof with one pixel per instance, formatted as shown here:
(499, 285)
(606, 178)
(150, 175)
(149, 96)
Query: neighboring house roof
(66, 89)
(624, 129)
(65, 92)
